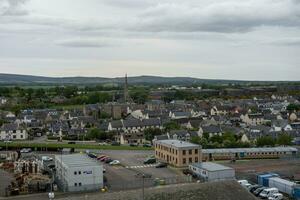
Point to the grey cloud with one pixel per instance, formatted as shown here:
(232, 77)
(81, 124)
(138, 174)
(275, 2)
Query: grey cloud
(228, 16)
(286, 42)
(12, 8)
(86, 43)
(177, 17)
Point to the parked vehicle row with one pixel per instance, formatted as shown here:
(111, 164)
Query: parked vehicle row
(152, 160)
(104, 159)
(262, 191)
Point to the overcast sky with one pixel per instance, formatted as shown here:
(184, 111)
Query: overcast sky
(219, 39)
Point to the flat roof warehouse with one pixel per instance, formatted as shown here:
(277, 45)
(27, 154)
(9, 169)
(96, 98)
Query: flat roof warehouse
(209, 166)
(76, 160)
(177, 143)
(251, 150)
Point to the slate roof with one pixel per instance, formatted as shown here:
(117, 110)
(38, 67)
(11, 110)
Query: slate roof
(211, 129)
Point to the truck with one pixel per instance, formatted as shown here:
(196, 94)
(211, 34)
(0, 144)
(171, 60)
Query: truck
(282, 185)
(263, 179)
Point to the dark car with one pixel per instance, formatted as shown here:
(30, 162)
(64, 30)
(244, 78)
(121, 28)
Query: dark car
(71, 142)
(161, 165)
(258, 191)
(150, 161)
(133, 144)
(115, 144)
(252, 188)
(108, 160)
(147, 145)
(91, 155)
(143, 175)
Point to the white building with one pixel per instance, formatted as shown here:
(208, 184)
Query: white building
(212, 172)
(13, 131)
(78, 172)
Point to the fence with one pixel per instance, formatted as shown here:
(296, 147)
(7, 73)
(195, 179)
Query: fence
(139, 183)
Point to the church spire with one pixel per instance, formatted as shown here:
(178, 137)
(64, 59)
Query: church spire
(126, 89)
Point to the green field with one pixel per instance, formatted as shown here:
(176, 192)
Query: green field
(39, 146)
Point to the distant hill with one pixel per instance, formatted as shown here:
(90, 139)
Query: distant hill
(12, 79)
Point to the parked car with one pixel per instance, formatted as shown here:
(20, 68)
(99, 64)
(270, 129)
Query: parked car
(108, 160)
(72, 142)
(259, 190)
(147, 145)
(253, 188)
(25, 150)
(143, 175)
(103, 158)
(246, 185)
(276, 196)
(187, 172)
(161, 165)
(46, 158)
(268, 192)
(102, 143)
(150, 161)
(114, 162)
(92, 155)
(115, 143)
(133, 144)
(242, 182)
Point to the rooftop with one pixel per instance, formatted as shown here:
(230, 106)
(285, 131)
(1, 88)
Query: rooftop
(177, 143)
(210, 166)
(241, 150)
(76, 160)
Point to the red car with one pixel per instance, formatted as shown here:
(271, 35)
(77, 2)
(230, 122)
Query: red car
(104, 158)
(99, 157)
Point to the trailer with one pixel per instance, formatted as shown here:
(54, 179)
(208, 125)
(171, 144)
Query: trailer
(263, 179)
(283, 185)
(296, 192)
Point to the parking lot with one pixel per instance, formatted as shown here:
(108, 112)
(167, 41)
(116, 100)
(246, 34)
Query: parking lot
(129, 173)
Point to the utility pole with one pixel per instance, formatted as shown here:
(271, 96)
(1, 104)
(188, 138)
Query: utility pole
(143, 193)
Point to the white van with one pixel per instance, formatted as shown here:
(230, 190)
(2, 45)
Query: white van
(276, 196)
(243, 182)
(268, 192)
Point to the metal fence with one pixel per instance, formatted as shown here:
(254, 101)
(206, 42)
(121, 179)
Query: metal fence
(140, 183)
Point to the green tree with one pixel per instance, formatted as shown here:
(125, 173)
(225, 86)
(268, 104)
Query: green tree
(139, 95)
(284, 139)
(292, 107)
(265, 141)
(150, 133)
(97, 134)
(171, 126)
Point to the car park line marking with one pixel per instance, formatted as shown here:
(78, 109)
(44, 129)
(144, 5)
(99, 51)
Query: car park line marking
(140, 166)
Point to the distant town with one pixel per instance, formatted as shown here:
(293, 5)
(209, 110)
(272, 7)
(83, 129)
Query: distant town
(148, 138)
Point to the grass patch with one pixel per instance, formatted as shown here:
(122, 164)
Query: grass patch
(18, 145)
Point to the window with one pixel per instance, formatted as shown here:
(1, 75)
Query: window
(183, 152)
(79, 184)
(176, 151)
(196, 159)
(184, 161)
(75, 184)
(190, 160)
(79, 172)
(75, 173)
(14, 136)
(190, 151)
(196, 151)
(21, 136)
